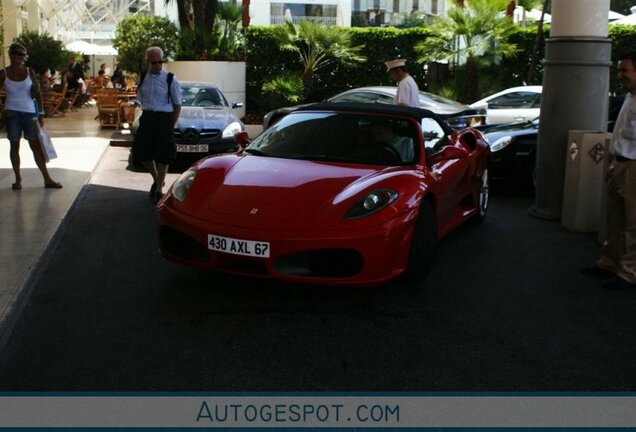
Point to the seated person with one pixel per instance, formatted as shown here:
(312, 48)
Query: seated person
(100, 81)
(384, 134)
(115, 82)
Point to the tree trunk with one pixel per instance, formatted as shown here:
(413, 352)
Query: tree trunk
(210, 17)
(537, 42)
(246, 13)
(471, 83)
(198, 8)
(184, 21)
(308, 82)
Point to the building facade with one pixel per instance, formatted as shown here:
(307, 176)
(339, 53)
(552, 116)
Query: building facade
(393, 12)
(329, 12)
(95, 20)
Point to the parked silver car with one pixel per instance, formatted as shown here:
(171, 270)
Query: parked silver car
(457, 115)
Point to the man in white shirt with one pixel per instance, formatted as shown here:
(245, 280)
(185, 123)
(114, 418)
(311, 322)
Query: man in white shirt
(159, 93)
(618, 258)
(407, 91)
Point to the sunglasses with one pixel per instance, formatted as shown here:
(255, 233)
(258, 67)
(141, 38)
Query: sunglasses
(157, 62)
(19, 54)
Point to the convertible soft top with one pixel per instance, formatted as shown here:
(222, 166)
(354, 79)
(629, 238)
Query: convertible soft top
(416, 114)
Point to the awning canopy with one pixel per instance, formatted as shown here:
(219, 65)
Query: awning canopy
(612, 16)
(90, 48)
(626, 20)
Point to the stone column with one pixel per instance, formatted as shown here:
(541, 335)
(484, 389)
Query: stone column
(575, 92)
(10, 25)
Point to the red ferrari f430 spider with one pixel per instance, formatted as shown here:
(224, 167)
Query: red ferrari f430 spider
(332, 194)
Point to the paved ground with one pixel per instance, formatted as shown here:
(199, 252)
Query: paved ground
(30, 218)
(504, 309)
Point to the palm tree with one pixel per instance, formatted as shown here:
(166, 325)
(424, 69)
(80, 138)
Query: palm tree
(183, 7)
(317, 46)
(537, 41)
(203, 14)
(231, 14)
(476, 33)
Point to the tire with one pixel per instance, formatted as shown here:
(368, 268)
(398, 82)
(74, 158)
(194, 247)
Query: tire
(483, 197)
(423, 245)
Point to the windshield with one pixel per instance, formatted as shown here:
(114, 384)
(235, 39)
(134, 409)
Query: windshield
(435, 102)
(340, 137)
(207, 97)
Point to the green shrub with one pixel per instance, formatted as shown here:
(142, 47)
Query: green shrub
(44, 51)
(265, 62)
(135, 33)
(284, 90)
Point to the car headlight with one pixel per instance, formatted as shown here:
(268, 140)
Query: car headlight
(232, 128)
(372, 202)
(182, 185)
(500, 144)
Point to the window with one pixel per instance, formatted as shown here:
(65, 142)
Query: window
(355, 97)
(516, 100)
(340, 137)
(433, 135)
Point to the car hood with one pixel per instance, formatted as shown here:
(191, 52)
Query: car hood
(204, 118)
(267, 192)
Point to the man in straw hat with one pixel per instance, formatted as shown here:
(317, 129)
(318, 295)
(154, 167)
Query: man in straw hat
(407, 91)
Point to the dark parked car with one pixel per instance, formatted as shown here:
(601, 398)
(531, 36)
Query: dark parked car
(207, 123)
(457, 115)
(513, 150)
(513, 146)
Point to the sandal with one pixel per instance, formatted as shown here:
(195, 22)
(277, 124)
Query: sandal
(54, 185)
(153, 190)
(16, 186)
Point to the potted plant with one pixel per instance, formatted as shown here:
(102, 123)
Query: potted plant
(212, 50)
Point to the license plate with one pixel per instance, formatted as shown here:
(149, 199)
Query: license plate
(192, 148)
(238, 246)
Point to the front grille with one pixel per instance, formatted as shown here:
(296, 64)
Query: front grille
(245, 265)
(326, 263)
(189, 136)
(178, 244)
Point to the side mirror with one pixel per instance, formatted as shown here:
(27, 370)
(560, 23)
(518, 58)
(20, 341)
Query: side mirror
(237, 105)
(242, 138)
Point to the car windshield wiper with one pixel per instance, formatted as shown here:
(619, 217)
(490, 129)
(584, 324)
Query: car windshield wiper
(256, 152)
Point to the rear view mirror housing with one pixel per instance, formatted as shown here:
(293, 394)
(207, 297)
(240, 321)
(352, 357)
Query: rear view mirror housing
(242, 138)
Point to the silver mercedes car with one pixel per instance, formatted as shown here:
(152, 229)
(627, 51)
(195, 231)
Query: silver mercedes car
(207, 123)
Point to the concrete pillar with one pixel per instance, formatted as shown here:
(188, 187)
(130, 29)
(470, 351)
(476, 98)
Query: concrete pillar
(575, 92)
(11, 25)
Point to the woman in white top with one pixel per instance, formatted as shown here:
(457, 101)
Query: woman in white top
(23, 98)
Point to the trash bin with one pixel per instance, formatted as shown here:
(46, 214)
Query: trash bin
(586, 163)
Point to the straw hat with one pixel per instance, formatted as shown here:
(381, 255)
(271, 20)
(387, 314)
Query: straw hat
(394, 64)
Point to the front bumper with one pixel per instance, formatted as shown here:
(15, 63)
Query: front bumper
(354, 257)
